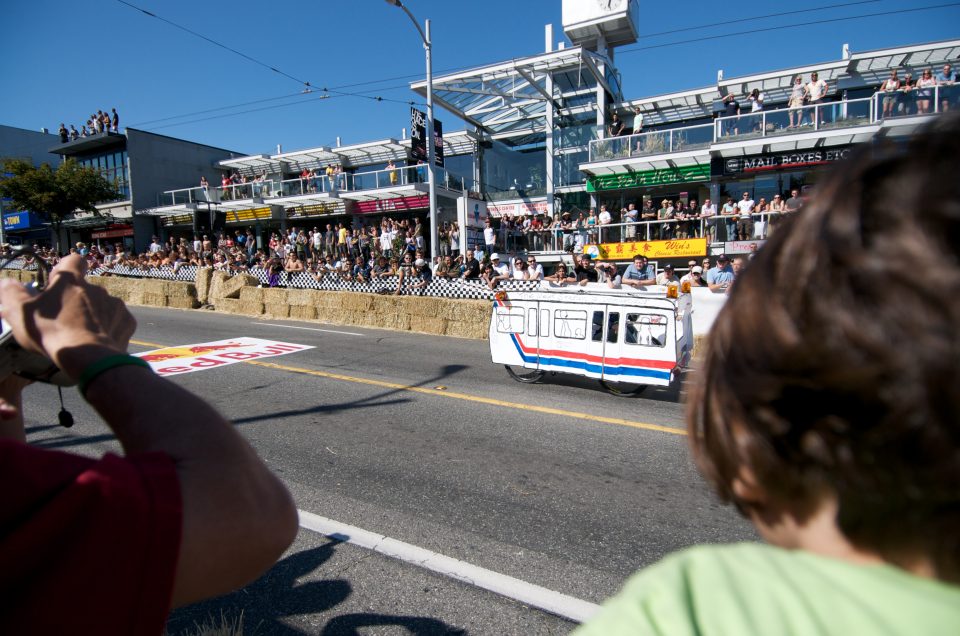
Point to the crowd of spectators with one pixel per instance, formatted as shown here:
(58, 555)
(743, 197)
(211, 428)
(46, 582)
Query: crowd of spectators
(99, 122)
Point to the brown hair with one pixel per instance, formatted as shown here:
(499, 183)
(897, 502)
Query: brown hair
(832, 369)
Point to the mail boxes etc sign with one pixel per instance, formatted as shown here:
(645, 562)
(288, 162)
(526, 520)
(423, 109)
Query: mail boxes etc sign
(783, 160)
(626, 180)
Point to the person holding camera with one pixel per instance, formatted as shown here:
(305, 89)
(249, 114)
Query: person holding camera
(108, 545)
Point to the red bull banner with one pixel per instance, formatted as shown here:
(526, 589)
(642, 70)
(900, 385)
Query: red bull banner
(211, 355)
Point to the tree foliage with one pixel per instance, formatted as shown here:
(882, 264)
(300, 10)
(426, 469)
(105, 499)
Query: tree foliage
(54, 194)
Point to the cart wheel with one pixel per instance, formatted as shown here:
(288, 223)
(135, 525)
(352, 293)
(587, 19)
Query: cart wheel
(622, 389)
(527, 376)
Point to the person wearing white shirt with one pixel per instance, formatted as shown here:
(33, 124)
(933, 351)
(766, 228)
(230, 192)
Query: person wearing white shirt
(534, 269)
(708, 212)
(667, 276)
(604, 219)
(630, 216)
(489, 237)
(745, 221)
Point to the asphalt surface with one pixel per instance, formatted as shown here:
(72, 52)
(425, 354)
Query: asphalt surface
(567, 499)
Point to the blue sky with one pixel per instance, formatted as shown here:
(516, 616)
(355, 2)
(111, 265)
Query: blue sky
(60, 60)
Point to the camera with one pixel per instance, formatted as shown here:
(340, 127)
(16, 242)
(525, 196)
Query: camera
(14, 359)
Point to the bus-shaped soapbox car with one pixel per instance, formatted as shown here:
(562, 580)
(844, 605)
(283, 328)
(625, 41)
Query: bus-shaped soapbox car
(628, 339)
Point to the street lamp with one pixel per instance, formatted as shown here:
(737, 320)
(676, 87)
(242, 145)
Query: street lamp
(431, 177)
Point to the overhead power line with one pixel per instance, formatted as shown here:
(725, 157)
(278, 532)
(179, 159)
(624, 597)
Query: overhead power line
(862, 16)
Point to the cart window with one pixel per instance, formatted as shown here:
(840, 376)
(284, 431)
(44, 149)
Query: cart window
(613, 326)
(510, 319)
(532, 322)
(649, 330)
(596, 332)
(545, 323)
(570, 324)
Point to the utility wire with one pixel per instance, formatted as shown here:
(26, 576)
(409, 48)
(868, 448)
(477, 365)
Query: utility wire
(299, 81)
(756, 17)
(786, 26)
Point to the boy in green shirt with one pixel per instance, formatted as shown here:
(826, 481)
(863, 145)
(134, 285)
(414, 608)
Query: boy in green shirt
(826, 410)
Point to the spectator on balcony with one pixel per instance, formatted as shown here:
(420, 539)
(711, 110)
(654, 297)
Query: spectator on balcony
(204, 184)
(392, 172)
(74, 134)
(637, 129)
(225, 185)
(616, 126)
(946, 77)
(729, 214)
(693, 219)
(891, 93)
(629, 215)
(606, 233)
(591, 226)
(331, 176)
(682, 215)
(708, 212)
(794, 202)
(64, 134)
(816, 92)
(83, 132)
(798, 94)
(115, 126)
(756, 100)
(745, 209)
(731, 109)
(106, 121)
(665, 217)
(925, 87)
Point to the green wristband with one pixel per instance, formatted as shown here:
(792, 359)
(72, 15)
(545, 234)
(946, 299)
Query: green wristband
(103, 365)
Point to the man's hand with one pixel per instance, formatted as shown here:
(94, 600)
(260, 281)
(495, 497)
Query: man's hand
(71, 322)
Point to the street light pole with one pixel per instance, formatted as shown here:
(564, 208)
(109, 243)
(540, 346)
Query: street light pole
(431, 150)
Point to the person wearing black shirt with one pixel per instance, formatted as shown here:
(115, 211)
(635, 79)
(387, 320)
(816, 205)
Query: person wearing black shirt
(471, 266)
(585, 272)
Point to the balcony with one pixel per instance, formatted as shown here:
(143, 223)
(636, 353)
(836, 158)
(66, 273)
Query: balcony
(300, 191)
(841, 122)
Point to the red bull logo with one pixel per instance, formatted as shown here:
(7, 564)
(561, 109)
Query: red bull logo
(172, 353)
(209, 355)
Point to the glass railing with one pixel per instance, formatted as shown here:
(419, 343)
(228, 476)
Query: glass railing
(849, 113)
(788, 121)
(917, 101)
(653, 143)
(319, 184)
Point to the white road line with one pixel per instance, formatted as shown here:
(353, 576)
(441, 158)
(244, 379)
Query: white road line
(556, 603)
(345, 333)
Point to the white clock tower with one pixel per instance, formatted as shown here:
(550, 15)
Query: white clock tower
(600, 24)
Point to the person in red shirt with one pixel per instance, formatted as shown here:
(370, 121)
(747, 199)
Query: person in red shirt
(109, 545)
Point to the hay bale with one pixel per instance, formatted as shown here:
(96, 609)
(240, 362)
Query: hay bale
(228, 306)
(203, 281)
(302, 297)
(182, 302)
(277, 309)
(153, 299)
(428, 324)
(303, 312)
(230, 288)
(252, 295)
(216, 286)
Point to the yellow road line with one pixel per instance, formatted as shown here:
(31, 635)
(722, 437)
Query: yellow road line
(457, 396)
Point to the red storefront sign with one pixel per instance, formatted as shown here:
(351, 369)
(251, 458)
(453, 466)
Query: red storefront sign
(398, 204)
(113, 232)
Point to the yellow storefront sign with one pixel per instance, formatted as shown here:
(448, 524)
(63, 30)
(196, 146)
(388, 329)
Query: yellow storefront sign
(680, 248)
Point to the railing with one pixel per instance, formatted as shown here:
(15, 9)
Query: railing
(653, 143)
(321, 183)
(848, 113)
(917, 101)
(715, 229)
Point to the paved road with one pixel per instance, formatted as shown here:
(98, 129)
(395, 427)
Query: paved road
(425, 441)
